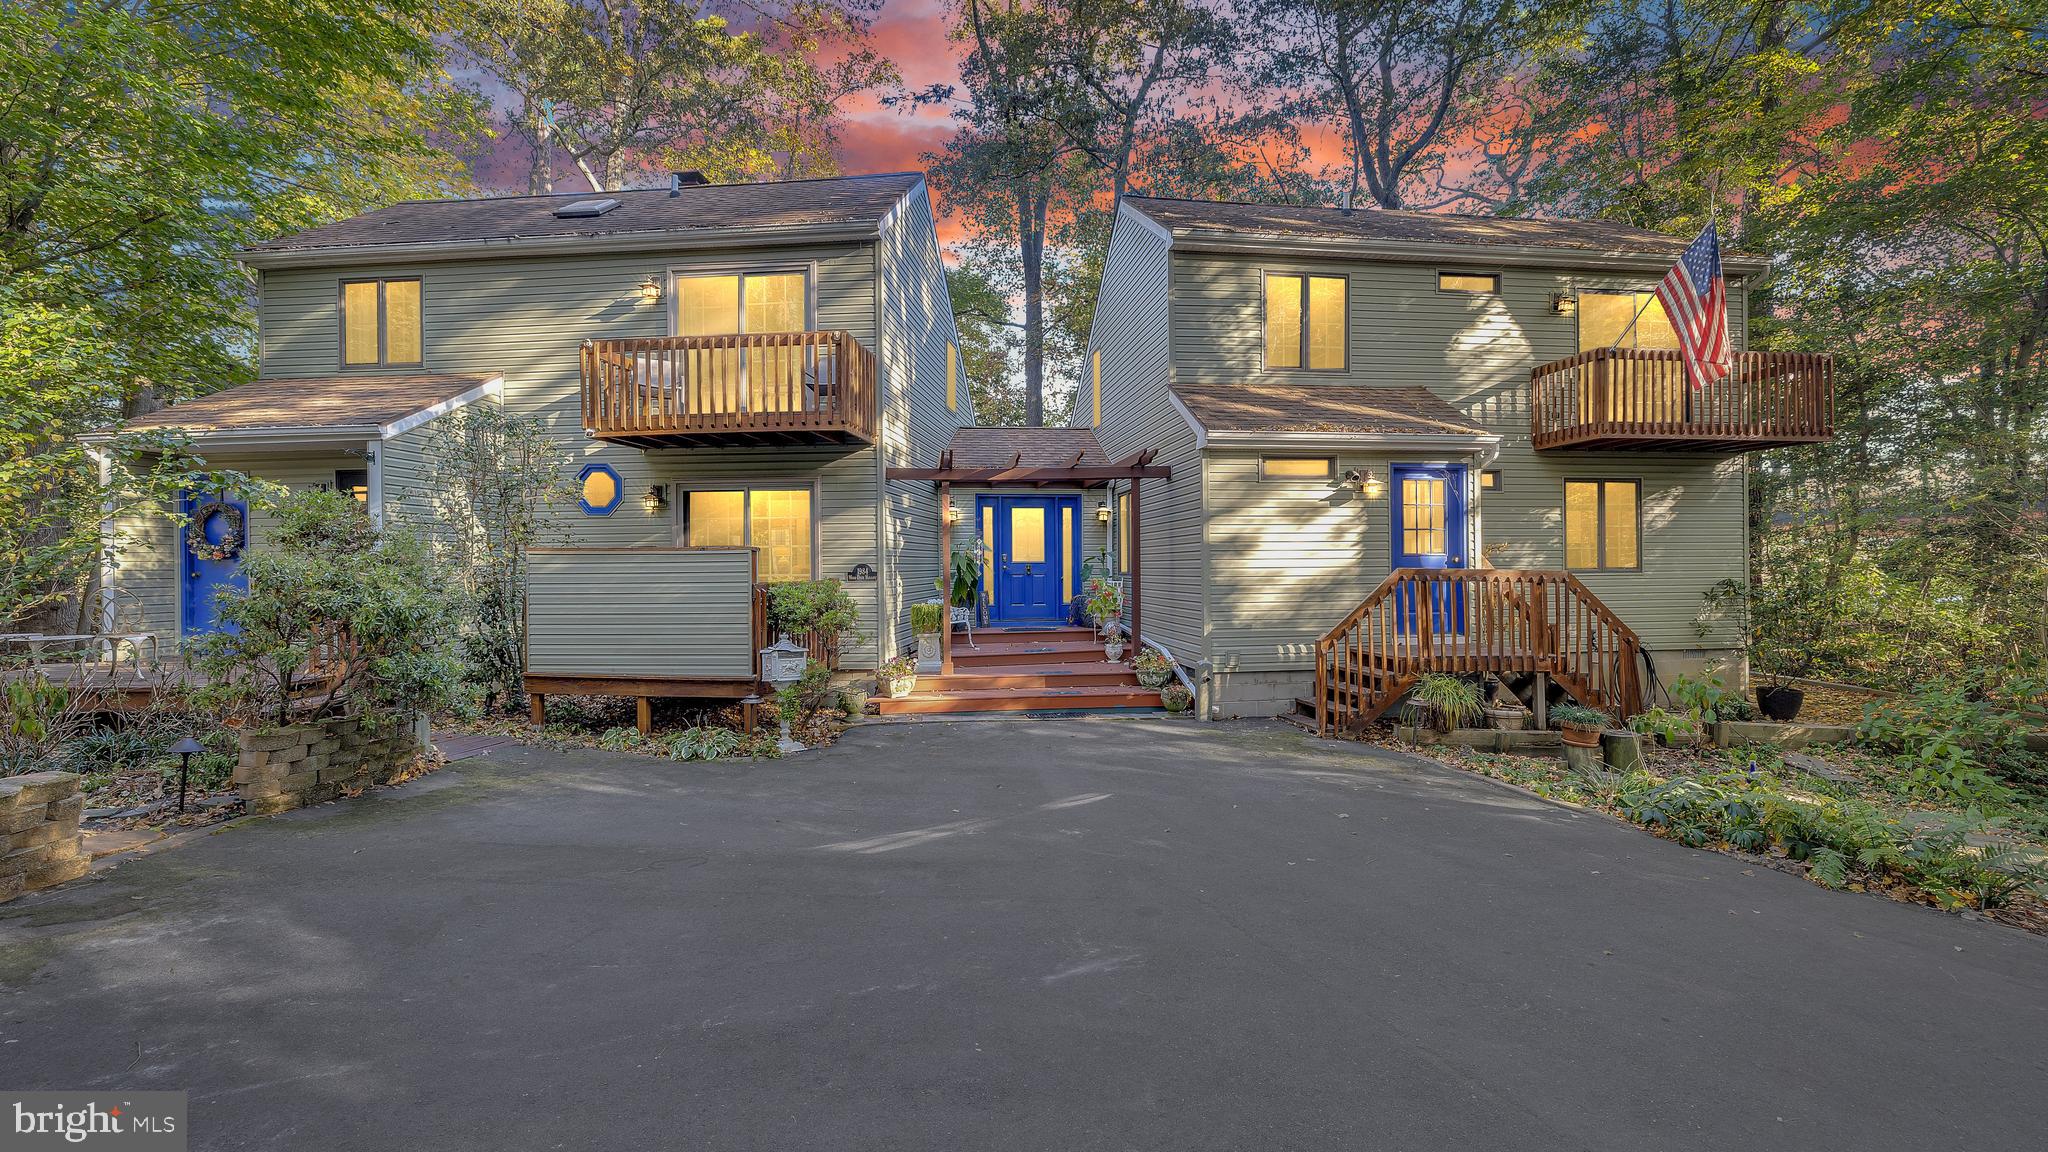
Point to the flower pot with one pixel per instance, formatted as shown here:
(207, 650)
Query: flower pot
(1158, 679)
(1781, 704)
(897, 687)
(853, 701)
(1579, 737)
(1176, 699)
(1508, 719)
(1113, 651)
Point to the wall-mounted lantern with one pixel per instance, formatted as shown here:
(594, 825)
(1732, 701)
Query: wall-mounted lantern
(1368, 482)
(651, 290)
(1563, 304)
(656, 500)
(1102, 511)
(951, 512)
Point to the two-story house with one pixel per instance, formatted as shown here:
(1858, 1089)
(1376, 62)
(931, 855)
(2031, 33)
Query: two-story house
(732, 368)
(1406, 442)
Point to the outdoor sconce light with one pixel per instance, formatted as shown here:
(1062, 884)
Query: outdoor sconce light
(1563, 303)
(650, 290)
(1102, 511)
(185, 748)
(951, 513)
(1369, 483)
(655, 501)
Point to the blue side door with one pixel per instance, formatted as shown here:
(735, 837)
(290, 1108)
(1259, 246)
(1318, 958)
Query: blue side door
(1429, 532)
(205, 579)
(1029, 557)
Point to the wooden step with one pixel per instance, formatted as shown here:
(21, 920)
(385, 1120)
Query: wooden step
(1006, 655)
(1096, 674)
(1065, 630)
(1020, 700)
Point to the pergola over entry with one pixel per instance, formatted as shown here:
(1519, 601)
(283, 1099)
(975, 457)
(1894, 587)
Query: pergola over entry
(983, 457)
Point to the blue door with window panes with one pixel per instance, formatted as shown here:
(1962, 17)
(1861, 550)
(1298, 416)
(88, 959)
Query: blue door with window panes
(1031, 547)
(1428, 524)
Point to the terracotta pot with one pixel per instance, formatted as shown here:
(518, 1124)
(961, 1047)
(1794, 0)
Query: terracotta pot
(1579, 737)
(1780, 704)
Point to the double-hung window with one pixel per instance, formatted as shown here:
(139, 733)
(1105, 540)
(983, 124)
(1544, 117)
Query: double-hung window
(777, 521)
(380, 322)
(1305, 321)
(1603, 524)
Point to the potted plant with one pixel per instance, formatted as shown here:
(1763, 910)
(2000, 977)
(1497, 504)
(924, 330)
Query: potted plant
(1776, 698)
(898, 677)
(1154, 670)
(1113, 645)
(853, 699)
(1579, 725)
(1450, 701)
(1788, 625)
(1105, 604)
(925, 622)
(1176, 697)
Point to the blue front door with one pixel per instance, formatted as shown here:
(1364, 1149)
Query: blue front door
(204, 579)
(1031, 541)
(1429, 532)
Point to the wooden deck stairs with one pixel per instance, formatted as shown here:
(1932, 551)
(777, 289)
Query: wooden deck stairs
(1512, 623)
(1026, 670)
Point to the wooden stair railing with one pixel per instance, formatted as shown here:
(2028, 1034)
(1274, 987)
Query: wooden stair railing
(1469, 621)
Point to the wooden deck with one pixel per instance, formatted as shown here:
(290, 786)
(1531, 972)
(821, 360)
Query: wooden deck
(1474, 621)
(1628, 398)
(762, 388)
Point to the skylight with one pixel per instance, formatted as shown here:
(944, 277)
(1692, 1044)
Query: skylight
(582, 208)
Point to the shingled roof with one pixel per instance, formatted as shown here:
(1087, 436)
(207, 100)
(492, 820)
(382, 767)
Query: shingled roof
(845, 200)
(1368, 225)
(994, 447)
(323, 403)
(1340, 409)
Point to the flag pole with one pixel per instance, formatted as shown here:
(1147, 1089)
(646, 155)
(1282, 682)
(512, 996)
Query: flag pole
(1713, 221)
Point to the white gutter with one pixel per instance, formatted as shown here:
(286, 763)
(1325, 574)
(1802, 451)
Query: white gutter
(1438, 252)
(495, 386)
(373, 499)
(626, 242)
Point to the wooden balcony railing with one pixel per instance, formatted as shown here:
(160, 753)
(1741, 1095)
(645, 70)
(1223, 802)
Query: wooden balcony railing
(1468, 621)
(1639, 398)
(760, 388)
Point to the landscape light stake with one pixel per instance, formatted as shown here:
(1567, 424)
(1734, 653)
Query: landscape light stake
(185, 748)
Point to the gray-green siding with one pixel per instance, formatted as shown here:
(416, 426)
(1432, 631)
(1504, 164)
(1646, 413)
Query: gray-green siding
(641, 612)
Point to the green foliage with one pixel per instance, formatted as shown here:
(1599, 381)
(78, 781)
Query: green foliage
(927, 619)
(1578, 716)
(965, 578)
(621, 739)
(333, 606)
(812, 693)
(799, 607)
(1105, 601)
(494, 476)
(1673, 728)
(1450, 701)
(1708, 701)
(41, 717)
(1950, 743)
(705, 743)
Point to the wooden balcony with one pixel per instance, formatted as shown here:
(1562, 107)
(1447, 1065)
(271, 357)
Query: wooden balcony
(765, 388)
(1623, 398)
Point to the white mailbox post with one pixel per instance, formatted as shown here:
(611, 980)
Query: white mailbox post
(783, 664)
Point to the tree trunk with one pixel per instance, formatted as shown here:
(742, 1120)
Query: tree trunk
(540, 172)
(1031, 213)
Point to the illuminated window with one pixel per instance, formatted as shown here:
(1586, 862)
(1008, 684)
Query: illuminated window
(1305, 324)
(1095, 370)
(988, 550)
(599, 490)
(380, 322)
(1067, 553)
(1602, 524)
(1604, 319)
(729, 379)
(775, 521)
(1423, 520)
(1297, 468)
(952, 377)
(1123, 532)
(1473, 283)
(1489, 480)
(353, 483)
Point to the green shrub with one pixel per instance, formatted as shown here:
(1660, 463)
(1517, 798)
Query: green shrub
(704, 743)
(621, 739)
(811, 694)
(796, 607)
(1578, 716)
(1451, 701)
(927, 619)
(1671, 727)
(1949, 744)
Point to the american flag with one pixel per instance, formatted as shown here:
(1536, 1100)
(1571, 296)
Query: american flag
(1695, 296)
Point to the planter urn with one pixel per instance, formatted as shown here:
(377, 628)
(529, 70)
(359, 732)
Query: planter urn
(1579, 737)
(1508, 719)
(1780, 703)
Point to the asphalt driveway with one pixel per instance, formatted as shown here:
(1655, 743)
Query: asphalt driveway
(1018, 935)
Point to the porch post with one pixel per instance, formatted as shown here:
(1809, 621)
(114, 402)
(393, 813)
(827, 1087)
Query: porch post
(945, 578)
(1137, 595)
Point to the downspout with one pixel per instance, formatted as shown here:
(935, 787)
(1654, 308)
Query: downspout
(373, 465)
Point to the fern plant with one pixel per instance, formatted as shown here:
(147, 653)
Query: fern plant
(1452, 702)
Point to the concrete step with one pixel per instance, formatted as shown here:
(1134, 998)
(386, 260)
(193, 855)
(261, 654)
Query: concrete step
(1020, 700)
(1098, 673)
